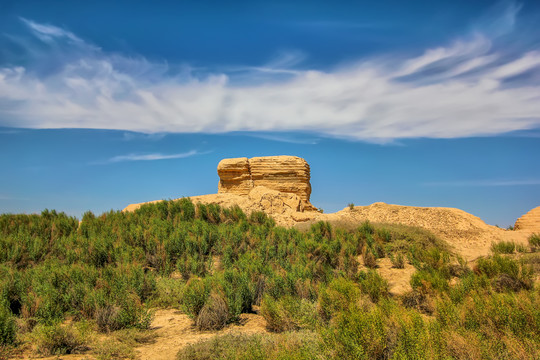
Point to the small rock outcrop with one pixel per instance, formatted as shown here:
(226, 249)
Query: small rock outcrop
(530, 221)
(285, 174)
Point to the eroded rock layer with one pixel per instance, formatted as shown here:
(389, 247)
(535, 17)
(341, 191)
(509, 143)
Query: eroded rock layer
(286, 174)
(530, 221)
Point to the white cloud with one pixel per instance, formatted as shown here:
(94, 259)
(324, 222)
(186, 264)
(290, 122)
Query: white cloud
(150, 157)
(463, 93)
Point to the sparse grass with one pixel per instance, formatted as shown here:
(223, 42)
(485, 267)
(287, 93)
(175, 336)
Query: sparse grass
(303, 345)
(112, 349)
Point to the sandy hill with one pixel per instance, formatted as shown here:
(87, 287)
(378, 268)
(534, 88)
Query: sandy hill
(279, 186)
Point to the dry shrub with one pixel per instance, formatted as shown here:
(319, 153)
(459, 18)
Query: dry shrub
(463, 346)
(260, 287)
(369, 258)
(419, 301)
(107, 318)
(504, 282)
(214, 314)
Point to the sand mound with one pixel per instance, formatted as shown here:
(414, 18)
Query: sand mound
(467, 234)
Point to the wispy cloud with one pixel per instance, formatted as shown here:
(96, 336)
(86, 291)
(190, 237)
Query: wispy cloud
(150, 157)
(483, 183)
(286, 138)
(49, 33)
(455, 90)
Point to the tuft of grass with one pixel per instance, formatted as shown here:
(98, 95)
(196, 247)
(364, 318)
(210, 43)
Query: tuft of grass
(534, 242)
(397, 260)
(503, 247)
(112, 349)
(370, 261)
(58, 339)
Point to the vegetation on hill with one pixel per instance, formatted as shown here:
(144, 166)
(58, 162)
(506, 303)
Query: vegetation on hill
(319, 290)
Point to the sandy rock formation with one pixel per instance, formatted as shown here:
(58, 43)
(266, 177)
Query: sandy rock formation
(234, 176)
(285, 174)
(530, 221)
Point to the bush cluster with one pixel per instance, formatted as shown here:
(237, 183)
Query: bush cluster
(321, 284)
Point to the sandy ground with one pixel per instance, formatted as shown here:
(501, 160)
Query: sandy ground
(398, 279)
(174, 331)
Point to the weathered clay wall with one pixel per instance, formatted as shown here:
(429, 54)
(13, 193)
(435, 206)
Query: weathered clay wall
(287, 174)
(529, 221)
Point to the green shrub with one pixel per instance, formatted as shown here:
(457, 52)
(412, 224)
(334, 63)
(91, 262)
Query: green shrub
(507, 273)
(7, 326)
(288, 313)
(534, 241)
(194, 297)
(429, 280)
(397, 260)
(372, 284)
(57, 340)
(357, 334)
(168, 293)
(339, 295)
(503, 247)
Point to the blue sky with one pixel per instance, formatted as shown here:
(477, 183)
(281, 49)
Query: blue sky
(415, 103)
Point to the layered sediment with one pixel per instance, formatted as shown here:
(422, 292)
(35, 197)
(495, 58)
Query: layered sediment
(285, 174)
(530, 221)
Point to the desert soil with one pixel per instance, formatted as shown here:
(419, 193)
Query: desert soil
(173, 331)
